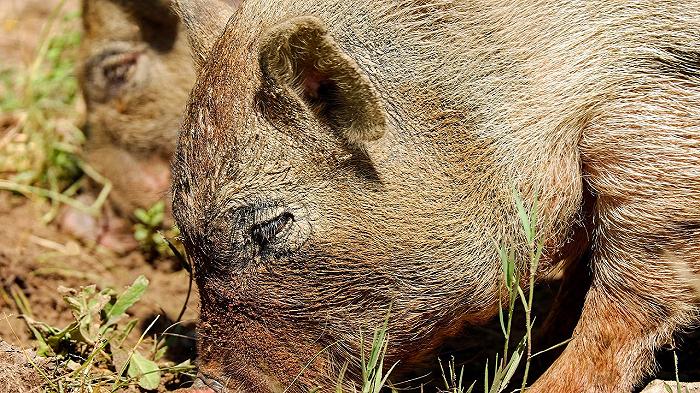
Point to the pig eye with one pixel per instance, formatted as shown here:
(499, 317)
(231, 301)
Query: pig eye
(260, 231)
(112, 70)
(118, 69)
(271, 231)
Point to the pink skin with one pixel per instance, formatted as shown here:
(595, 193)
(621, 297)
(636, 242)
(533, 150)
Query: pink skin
(107, 230)
(151, 180)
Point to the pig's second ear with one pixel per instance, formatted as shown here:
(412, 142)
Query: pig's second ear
(300, 55)
(204, 20)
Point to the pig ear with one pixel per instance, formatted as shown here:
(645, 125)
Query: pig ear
(205, 20)
(120, 20)
(300, 55)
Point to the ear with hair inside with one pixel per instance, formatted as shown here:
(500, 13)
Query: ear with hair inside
(301, 56)
(204, 20)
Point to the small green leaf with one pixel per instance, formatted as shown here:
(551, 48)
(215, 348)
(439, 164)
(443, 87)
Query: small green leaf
(160, 353)
(533, 218)
(90, 306)
(43, 348)
(523, 298)
(501, 319)
(486, 376)
(157, 219)
(157, 208)
(341, 378)
(513, 363)
(511, 271)
(140, 233)
(141, 215)
(146, 371)
(183, 367)
(503, 256)
(123, 332)
(126, 300)
(524, 216)
(54, 341)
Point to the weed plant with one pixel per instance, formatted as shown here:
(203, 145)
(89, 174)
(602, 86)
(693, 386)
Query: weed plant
(100, 350)
(39, 106)
(152, 234)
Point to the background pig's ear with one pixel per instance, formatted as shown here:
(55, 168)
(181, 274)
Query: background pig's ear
(300, 55)
(121, 40)
(149, 21)
(205, 20)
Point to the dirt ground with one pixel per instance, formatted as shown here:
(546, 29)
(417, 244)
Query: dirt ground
(35, 258)
(20, 23)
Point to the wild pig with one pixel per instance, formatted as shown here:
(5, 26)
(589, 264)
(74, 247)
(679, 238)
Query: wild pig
(135, 71)
(132, 59)
(339, 157)
(132, 55)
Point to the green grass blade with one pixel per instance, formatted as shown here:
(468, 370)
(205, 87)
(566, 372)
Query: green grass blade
(127, 299)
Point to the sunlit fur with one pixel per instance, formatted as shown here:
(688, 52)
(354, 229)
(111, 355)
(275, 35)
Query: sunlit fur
(592, 106)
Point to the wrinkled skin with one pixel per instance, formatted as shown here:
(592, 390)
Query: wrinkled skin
(344, 158)
(135, 72)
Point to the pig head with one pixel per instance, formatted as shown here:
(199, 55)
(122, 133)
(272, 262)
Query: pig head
(342, 161)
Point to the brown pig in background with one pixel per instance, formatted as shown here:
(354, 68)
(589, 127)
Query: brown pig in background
(340, 157)
(135, 71)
